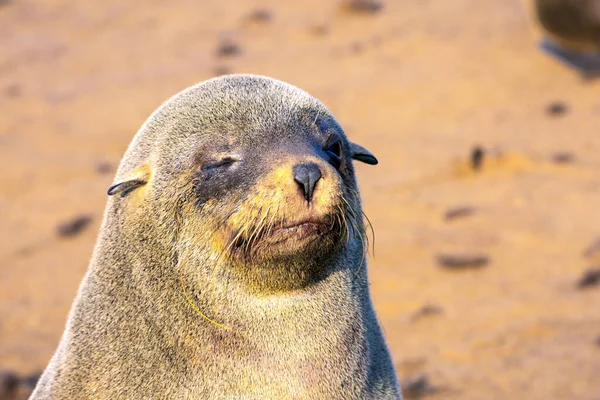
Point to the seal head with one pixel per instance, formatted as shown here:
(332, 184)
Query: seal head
(258, 173)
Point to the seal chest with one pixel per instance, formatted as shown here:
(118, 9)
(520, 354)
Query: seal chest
(231, 259)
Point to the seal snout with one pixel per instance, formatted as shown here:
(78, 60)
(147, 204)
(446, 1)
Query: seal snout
(307, 175)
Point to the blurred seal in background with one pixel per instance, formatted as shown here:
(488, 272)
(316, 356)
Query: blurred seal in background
(572, 32)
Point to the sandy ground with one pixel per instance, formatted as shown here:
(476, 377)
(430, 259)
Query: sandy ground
(419, 83)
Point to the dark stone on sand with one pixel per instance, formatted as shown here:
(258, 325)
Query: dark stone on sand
(590, 278)
(320, 30)
(74, 226)
(16, 387)
(477, 155)
(260, 15)
(12, 90)
(462, 261)
(363, 6)
(556, 108)
(563, 158)
(418, 387)
(228, 48)
(9, 381)
(104, 168)
(426, 311)
(458, 212)
(356, 48)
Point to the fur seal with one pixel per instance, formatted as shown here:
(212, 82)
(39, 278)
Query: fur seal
(230, 262)
(574, 24)
(572, 29)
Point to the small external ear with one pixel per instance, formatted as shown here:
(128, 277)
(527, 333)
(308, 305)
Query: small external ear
(361, 154)
(125, 187)
(138, 177)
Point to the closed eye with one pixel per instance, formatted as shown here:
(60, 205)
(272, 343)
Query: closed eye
(222, 163)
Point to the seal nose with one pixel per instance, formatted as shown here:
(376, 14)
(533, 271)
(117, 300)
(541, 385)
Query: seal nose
(307, 176)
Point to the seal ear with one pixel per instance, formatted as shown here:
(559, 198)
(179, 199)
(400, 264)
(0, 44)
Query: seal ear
(138, 177)
(361, 154)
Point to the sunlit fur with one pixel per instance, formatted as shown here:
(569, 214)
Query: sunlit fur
(194, 291)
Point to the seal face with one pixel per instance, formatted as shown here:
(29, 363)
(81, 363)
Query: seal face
(230, 262)
(285, 203)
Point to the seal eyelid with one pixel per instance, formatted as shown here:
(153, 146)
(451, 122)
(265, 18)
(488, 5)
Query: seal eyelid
(223, 162)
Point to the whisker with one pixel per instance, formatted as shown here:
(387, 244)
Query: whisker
(353, 220)
(372, 230)
(363, 256)
(341, 217)
(272, 221)
(369, 223)
(259, 228)
(253, 231)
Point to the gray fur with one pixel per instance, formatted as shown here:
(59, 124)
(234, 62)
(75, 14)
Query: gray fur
(132, 335)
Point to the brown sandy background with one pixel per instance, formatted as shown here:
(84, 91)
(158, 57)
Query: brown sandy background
(420, 83)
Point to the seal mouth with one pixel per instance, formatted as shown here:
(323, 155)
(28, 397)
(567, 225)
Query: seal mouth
(299, 230)
(288, 237)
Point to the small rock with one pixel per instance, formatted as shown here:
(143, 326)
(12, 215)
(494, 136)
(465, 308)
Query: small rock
(74, 226)
(462, 261)
(320, 30)
(458, 212)
(563, 158)
(363, 6)
(590, 278)
(12, 90)
(260, 15)
(356, 47)
(9, 381)
(104, 168)
(477, 155)
(417, 387)
(556, 108)
(228, 48)
(427, 310)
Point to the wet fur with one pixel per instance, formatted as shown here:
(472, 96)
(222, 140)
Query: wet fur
(132, 333)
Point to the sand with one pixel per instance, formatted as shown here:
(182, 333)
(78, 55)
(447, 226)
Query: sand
(418, 83)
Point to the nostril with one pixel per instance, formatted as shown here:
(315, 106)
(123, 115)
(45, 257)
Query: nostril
(307, 175)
